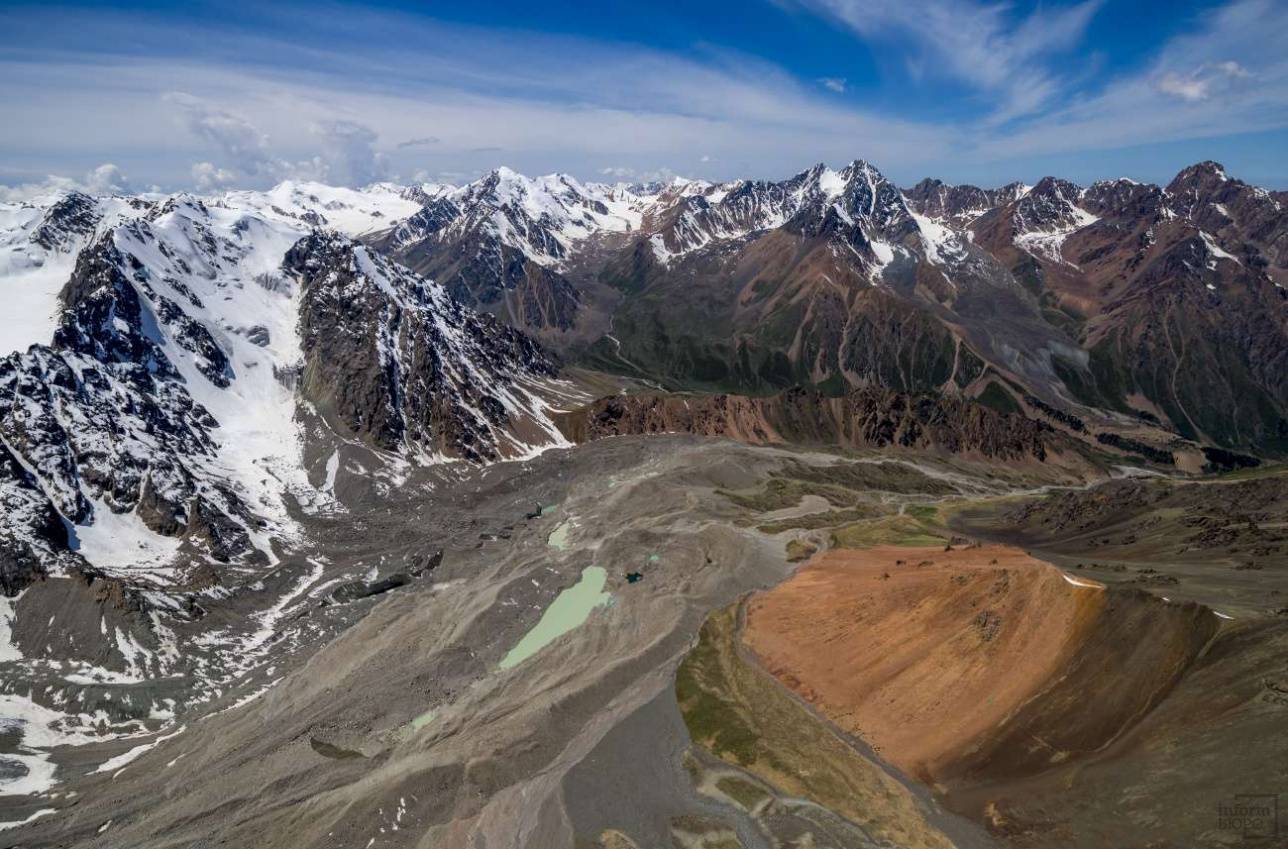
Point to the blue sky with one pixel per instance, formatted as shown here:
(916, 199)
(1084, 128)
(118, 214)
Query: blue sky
(206, 96)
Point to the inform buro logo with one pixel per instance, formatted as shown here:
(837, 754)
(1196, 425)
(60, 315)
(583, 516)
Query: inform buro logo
(1251, 815)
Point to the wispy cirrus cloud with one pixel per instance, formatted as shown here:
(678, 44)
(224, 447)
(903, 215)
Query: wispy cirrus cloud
(1194, 88)
(983, 44)
(481, 96)
(1202, 82)
(250, 110)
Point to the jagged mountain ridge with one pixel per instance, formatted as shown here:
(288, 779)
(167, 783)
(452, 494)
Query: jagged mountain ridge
(1053, 296)
(839, 278)
(853, 287)
(162, 415)
(505, 241)
(403, 364)
(1178, 322)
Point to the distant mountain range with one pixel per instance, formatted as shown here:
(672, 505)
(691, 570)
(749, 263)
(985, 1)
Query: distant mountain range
(1121, 302)
(178, 371)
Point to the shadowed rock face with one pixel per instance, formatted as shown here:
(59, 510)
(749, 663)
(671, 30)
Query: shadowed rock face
(862, 418)
(103, 411)
(31, 534)
(958, 204)
(398, 362)
(1176, 294)
(74, 215)
(479, 269)
(827, 284)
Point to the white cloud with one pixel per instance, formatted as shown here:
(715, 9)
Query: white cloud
(103, 179)
(349, 152)
(1204, 93)
(239, 141)
(208, 177)
(260, 128)
(836, 84)
(979, 43)
(106, 179)
(1203, 81)
(1186, 88)
(367, 114)
(633, 175)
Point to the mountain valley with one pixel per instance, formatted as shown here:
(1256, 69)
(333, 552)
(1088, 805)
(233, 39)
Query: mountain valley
(534, 512)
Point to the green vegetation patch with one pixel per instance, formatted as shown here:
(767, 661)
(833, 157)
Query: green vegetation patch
(999, 399)
(714, 723)
(846, 485)
(814, 521)
(740, 714)
(923, 512)
(893, 530)
(884, 476)
(1265, 470)
(743, 792)
(781, 493)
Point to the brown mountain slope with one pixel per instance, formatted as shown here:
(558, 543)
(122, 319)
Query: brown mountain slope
(1114, 303)
(862, 418)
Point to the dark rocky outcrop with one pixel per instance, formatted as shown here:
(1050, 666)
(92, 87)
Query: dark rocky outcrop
(959, 204)
(103, 410)
(862, 418)
(32, 535)
(73, 216)
(397, 362)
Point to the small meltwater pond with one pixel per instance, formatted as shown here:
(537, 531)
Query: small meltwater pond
(570, 608)
(559, 536)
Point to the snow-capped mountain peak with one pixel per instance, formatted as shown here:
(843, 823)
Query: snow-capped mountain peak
(349, 211)
(161, 407)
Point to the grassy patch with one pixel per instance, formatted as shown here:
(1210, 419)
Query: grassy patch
(798, 550)
(781, 493)
(697, 832)
(740, 714)
(885, 476)
(743, 792)
(893, 530)
(814, 521)
(714, 724)
(1266, 470)
(843, 485)
(923, 512)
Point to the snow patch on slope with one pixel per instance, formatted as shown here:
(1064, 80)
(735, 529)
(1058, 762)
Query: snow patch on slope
(353, 212)
(1049, 244)
(941, 244)
(1215, 251)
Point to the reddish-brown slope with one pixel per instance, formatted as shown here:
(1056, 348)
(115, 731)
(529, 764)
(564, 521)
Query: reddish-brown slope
(971, 665)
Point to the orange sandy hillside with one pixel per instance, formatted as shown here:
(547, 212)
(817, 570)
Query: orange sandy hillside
(920, 651)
